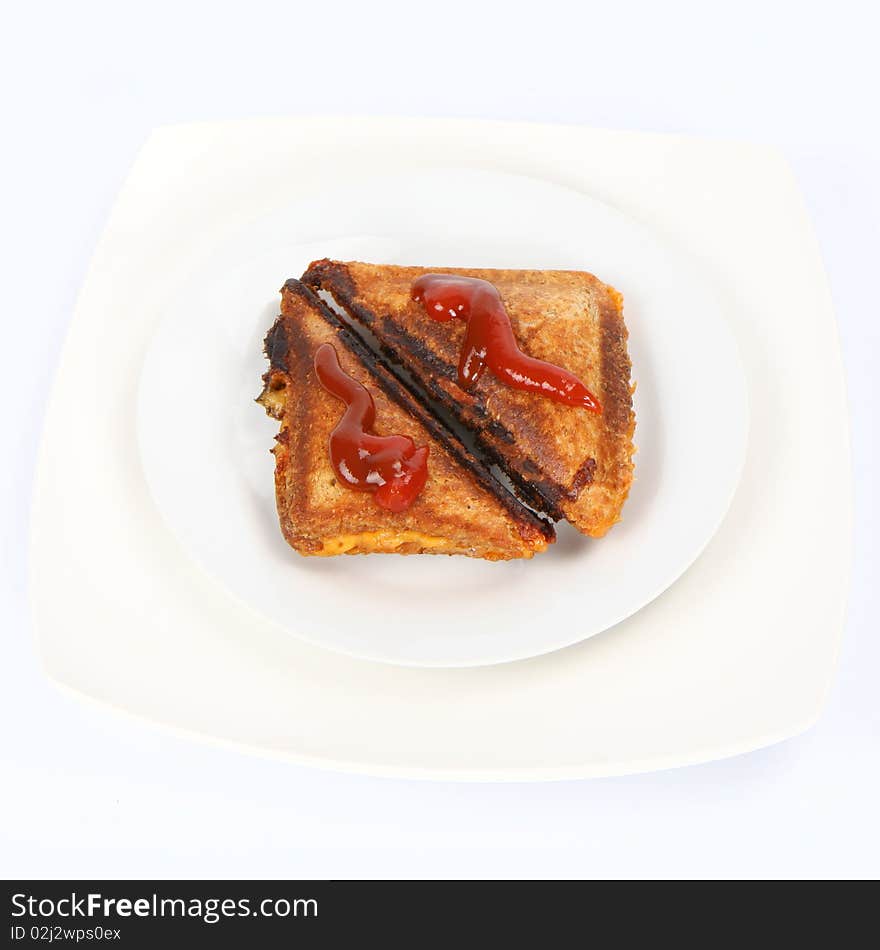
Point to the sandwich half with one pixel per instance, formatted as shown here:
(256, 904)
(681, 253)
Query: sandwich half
(564, 461)
(462, 508)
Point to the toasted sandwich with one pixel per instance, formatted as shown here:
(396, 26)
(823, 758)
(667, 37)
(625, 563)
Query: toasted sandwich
(462, 508)
(562, 461)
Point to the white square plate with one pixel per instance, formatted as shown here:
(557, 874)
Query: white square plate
(737, 654)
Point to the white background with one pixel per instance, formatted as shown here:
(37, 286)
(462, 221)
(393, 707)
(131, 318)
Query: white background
(84, 793)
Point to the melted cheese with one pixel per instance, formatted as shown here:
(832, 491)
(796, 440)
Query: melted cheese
(387, 541)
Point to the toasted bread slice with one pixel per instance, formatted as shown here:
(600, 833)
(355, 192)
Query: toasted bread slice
(578, 463)
(454, 514)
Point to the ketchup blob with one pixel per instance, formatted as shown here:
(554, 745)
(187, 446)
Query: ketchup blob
(391, 467)
(489, 342)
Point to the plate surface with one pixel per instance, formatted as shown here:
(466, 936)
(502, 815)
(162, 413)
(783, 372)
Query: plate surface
(216, 490)
(737, 654)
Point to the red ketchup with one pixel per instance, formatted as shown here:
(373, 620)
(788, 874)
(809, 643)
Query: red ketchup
(389, 466)
(490, 343)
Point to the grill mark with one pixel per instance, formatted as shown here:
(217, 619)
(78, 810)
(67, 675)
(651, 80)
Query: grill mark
(503, 434)
(400, 335)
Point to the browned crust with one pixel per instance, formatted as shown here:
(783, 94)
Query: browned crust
(477, 468)
(456, 512)
(618, 416)
(580, 469)
(617, 408)
(438, 383)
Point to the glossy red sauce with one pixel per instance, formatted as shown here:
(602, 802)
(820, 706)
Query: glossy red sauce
(391, 467)
(490, 343)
